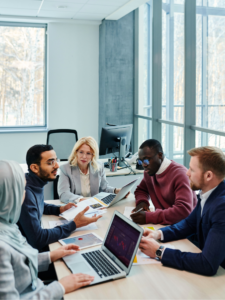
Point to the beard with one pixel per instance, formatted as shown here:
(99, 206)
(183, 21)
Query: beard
(45, 176)
(197, 186)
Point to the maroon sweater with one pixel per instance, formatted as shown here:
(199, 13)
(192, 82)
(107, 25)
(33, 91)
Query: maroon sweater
(170, 193)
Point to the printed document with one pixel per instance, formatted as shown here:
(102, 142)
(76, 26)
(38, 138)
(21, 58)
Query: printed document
(71, 213)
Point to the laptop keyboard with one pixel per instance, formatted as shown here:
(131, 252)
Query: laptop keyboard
(108, 199)
(100, 263)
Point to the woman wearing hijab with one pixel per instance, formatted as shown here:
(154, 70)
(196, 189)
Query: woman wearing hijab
(20, 263)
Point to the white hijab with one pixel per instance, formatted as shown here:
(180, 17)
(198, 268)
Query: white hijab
(12, 185)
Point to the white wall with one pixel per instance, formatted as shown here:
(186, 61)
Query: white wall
(73, 80)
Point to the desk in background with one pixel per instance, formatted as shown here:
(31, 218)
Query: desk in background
(145, 281)
(115, 179)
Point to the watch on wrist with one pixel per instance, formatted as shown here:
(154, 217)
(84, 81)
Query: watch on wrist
(159, 251)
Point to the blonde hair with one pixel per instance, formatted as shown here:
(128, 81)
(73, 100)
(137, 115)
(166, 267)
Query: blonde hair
(210, 159)
(89, 141)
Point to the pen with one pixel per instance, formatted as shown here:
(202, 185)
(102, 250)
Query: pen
(136, 211)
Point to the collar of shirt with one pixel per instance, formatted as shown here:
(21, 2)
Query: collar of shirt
(165, 164)
(204, 197)
(83, 173)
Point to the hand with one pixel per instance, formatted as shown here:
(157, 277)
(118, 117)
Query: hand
(149, 246)
(63, 251)
(142, 205)
(75, 281)
(82, 199)
(118, 190)
(81, 220)
(154, 234)
(67, 206)
(139, 217)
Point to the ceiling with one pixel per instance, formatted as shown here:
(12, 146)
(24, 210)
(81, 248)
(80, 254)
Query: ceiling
(94, 10)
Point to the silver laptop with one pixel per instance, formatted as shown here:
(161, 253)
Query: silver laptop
(113, 260)
(109, 198)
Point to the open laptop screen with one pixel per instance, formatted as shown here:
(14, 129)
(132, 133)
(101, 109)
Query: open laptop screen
(121, 240)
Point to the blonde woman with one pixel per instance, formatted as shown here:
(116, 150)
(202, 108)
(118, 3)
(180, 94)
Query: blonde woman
(83, 176)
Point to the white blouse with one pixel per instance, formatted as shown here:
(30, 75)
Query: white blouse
(85, 184)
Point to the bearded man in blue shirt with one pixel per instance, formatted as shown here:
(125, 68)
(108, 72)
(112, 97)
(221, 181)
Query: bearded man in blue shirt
(43, 165)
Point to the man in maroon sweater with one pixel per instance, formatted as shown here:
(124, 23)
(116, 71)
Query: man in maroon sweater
(166, 183)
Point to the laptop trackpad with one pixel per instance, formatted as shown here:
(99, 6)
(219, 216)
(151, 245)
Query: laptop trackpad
(81, 267)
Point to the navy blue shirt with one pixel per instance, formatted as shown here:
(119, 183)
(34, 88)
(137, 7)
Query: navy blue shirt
(31, 213)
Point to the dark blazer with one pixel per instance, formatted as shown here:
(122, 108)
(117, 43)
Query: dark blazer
(210, 230)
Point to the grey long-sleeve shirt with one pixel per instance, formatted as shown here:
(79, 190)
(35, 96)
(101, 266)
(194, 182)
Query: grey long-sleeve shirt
(15, 277)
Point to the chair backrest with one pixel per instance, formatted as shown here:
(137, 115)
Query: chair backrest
(62, 141)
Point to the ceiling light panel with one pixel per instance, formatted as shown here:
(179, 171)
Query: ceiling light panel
(56, 14)
(62, 6)
(117, 3)
(98, 9)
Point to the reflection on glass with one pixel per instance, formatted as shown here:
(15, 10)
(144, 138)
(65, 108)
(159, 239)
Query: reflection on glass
(207, 139)
(179, 67)
(164, 47)
(146, 59)
(198, 62)
(216, 3)
(144, 130)
(22, 56)
(144, 105)
(199, 2)
(173, 142)
(210, 72)
(173, 60)
(179, 2)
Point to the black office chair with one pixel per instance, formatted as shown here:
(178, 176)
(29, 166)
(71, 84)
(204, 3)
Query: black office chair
(62, 141)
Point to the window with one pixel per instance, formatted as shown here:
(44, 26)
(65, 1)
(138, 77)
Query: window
(210, 71)
(23, 76)
(199, 118)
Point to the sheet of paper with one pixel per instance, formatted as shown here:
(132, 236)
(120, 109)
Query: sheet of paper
(97, 213)
(91, 226)
(128, 211)
(142, 259)
(71, 213)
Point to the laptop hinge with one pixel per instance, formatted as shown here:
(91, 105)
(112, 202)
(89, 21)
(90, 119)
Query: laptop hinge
(113, 259)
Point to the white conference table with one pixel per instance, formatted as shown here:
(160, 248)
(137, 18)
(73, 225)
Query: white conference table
(145, 281)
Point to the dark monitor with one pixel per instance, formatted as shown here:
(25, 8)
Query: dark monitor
(116, 139)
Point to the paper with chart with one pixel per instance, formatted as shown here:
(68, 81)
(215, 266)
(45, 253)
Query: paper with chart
(71, 213)
(60, 222)
(142, 259)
